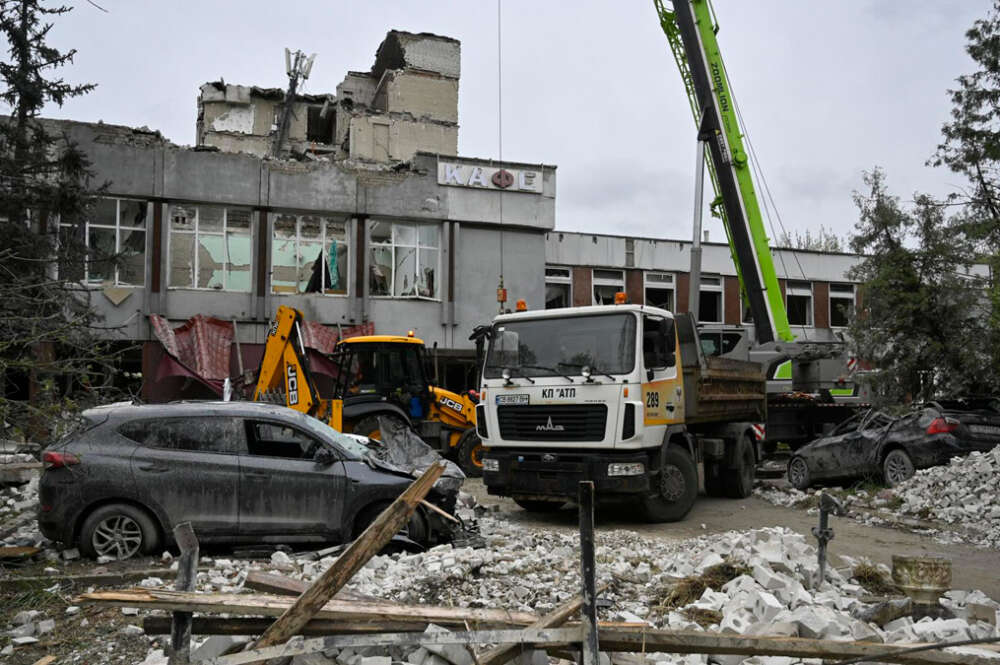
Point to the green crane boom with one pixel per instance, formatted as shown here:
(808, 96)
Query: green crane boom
(690, 30)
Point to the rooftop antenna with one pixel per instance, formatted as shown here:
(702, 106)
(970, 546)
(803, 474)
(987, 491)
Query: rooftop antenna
(297, 66)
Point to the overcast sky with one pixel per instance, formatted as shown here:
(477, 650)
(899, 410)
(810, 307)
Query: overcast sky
(828, 89)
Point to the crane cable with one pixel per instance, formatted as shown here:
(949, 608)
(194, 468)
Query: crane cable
(500, 146)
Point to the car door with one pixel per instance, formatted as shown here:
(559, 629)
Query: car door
(284, 491)
(189, 468)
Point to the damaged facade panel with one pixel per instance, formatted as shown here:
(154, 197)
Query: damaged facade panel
(407, 103)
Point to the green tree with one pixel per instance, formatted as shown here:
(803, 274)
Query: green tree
(971, 147)
(921, 321)
(823, 240)
(49, 335)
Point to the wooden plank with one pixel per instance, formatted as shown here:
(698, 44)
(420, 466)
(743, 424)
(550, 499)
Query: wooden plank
(89, 579)
(430, 506)
(45, 660)
(287, 586)
(560, 615)
(636, 640)
(265, 605)
(160, 625)
(187, 575)
(373, 539)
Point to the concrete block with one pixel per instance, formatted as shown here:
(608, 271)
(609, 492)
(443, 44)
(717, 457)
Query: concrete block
(25, 616)
(736, 622)
(219, 645)
(777, 628)
(768, 578)
(376, 660)
(312, 659)
(23, 630)
(46, 626)
(23, 640)
(764, 605)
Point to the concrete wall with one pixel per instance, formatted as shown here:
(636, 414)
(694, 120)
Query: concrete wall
(382, 138)
(139, 165)
(419, 94)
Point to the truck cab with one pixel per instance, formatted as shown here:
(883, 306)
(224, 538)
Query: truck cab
(616, 394)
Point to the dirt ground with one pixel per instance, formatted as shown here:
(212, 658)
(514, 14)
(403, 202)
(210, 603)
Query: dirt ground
(972, 568)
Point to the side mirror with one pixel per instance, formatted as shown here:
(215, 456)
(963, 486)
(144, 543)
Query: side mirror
(671, 359)
(325, 456)
(649, 374)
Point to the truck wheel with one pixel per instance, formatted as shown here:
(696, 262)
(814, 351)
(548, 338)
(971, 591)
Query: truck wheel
(470, 453)
(739, 479)
(539, 505)
(370, 426)
(676, 487)
(715, 479)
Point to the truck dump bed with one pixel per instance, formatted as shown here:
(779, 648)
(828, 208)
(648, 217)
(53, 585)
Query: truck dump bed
(718, 389)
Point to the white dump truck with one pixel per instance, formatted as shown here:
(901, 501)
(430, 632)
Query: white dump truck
(622, 395)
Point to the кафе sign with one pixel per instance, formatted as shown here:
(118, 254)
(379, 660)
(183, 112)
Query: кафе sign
(487, 177)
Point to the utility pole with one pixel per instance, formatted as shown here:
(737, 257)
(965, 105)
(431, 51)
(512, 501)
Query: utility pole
(297, 67)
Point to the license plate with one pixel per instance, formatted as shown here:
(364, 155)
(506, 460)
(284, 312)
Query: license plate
(512, 399)
(989, 430)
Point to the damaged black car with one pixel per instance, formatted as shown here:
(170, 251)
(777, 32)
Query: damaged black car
(240, 472)
(873, 444)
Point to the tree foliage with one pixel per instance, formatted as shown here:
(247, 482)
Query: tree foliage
(49, 334)
(922, 319)
(823, 240)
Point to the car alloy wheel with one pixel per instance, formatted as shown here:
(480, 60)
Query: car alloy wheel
(798, 473)
(897, 467)
(117, 536)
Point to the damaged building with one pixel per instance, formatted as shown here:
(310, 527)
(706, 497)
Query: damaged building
(368, 217)
(406, 103)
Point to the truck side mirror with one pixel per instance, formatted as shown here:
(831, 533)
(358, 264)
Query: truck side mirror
(670, 359)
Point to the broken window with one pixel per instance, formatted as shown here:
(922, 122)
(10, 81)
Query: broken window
(210, 248)
(799, 303)
(660, 290)
(403, 260)
(841, 304)
(710, 300)
(320, 124)
(606, 284)
(558, 288)
(278, 440)
(309, 254)
(113, 238)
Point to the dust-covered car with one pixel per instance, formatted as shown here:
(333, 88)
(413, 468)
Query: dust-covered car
(240, 472)
(874, 444)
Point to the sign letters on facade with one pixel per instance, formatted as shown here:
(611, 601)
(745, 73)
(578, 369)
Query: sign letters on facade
(487, 177)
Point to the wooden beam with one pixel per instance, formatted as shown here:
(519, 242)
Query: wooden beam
(373, 539)
(286, 586)
(88, 579)
(588, 574)
(626, 640)
(273, 606)
(160, 625)
(560, 615)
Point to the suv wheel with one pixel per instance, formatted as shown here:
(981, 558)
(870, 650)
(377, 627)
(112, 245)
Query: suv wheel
(120, 531)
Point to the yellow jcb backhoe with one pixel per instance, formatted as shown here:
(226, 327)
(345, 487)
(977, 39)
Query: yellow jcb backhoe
(378, 376)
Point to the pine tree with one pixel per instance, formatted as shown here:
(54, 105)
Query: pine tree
(49, 334)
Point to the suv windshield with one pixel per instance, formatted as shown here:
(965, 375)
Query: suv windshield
(541, 347)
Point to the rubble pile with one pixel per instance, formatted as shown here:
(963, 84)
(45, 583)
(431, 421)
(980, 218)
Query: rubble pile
(773, 592)
(18, 523)
(966, 492)
(956, 502)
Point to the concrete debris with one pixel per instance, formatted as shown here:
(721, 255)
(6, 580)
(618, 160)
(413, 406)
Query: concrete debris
(956, 502)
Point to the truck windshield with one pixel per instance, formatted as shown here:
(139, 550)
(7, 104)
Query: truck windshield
(604, 342)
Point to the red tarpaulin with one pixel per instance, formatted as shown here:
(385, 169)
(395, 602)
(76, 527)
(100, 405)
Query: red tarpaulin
(200, 354)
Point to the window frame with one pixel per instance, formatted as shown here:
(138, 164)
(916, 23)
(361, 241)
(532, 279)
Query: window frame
(596, 281)
(324, 236)
(671, 285)
(831, 298)
(117, 228)
(198, 233)
(392, 245)
(704, 287)
(561, 280)
(798, 289)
